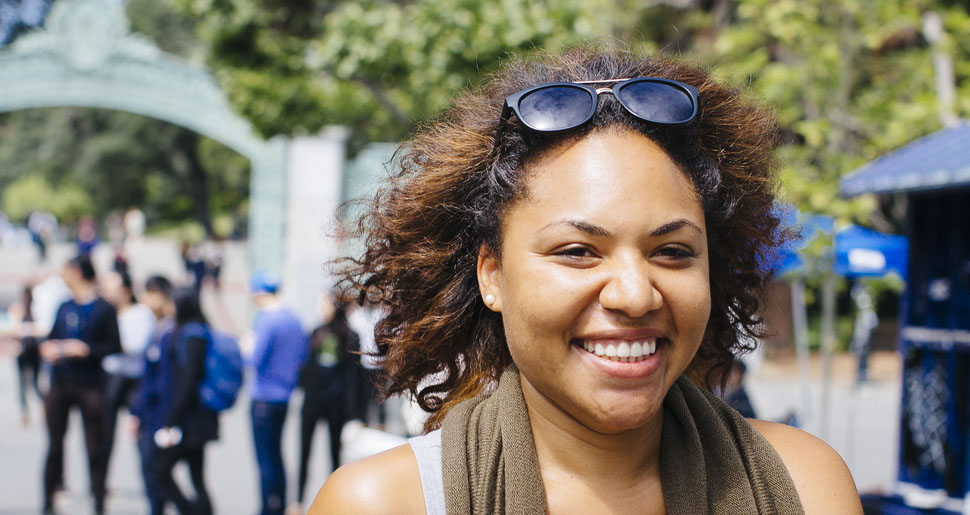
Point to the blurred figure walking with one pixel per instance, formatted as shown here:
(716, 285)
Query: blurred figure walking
(329, 381)
(189, 425)
(153, 399)
(87, 235)
(194, 264)
(28, 359)
(279, 351)
(85, 331)
(734, 394)
(363, 320)
(212, 259)
(41, 225)
(136, 323)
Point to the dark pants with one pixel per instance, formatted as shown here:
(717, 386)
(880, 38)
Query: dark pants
(367, 395)
(60, 398)
(28, 367)
(164, 461)
(268, 418)
(119, 393)
(309, 417)
(147, 450)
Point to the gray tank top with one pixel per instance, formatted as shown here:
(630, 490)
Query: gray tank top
(427, 450)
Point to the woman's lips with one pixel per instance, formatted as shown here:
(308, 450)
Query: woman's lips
(615, 357)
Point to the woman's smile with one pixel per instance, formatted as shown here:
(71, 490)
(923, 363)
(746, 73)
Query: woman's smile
(622, 360)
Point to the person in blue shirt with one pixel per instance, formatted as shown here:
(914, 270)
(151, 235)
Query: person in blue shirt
(279, 351)
(188, 424)
(152, 401)
(85, 331)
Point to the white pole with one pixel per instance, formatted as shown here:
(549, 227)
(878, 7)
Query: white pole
(828, 346)
(800, 330)
(942, 67)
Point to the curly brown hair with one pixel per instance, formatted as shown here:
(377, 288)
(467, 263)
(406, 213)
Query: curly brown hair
(453, 183)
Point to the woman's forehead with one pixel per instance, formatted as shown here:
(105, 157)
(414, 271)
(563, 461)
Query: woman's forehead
(606, 171)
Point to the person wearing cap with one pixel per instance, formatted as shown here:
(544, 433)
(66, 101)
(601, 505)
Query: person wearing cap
(279, 351)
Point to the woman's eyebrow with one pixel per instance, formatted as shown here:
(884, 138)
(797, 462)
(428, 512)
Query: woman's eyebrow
(670, 227)
(591, 229)
(599, 231)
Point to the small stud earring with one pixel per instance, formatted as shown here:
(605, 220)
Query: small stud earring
(489, 299)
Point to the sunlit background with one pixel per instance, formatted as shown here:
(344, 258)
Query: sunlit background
(166, 132)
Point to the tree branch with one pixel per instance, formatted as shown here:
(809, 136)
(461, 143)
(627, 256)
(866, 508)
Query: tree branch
(381, 96)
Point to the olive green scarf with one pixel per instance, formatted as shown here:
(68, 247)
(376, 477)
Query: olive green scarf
(712, 460)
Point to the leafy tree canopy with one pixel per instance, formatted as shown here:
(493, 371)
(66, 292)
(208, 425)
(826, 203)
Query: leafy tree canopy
(377, 66)
(849, 80)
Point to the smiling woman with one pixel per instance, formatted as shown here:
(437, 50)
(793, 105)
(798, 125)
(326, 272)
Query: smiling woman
(587, 262)
(566, 276)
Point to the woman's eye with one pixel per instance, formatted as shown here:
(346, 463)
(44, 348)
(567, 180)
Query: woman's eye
(577, 251)
(676, 252)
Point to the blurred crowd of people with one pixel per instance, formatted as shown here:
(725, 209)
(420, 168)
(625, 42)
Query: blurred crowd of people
(101, 343)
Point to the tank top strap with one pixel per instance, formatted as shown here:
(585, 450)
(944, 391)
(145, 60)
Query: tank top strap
(427, 451)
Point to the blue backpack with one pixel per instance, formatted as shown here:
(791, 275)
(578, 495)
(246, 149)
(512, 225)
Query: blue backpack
(223, 376)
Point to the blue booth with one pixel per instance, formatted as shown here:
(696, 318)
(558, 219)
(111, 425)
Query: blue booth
(933, 173)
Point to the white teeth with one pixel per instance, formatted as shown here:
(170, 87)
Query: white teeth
(636, 350)
(623, 350)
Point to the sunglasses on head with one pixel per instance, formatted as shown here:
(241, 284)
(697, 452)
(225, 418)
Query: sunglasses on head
(560, 106)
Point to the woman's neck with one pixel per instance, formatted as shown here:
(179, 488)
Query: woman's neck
(568, 449)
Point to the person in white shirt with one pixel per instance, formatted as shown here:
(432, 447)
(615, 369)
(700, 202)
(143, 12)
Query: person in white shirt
(136, 323)
(48, 297)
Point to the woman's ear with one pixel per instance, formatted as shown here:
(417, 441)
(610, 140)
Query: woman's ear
(490, 278)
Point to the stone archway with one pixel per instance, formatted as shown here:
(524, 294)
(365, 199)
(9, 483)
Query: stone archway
(85, 56)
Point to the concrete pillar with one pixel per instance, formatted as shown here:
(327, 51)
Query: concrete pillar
(314, 180)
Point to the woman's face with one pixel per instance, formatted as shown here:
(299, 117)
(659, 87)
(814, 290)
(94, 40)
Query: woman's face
(603, 279)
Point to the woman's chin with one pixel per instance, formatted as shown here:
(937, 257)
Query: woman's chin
(621, 419)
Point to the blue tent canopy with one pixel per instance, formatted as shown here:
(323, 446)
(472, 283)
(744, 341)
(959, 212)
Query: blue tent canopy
(789, 259)
(939, 160)
(861, 252)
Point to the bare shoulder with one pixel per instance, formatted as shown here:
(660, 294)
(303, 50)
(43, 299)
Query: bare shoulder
(822, 479)
(384, 483)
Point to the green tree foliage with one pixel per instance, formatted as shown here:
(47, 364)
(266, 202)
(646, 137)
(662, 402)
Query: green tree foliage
(849, 80)
(33, 193)
(116, 160)
(377, 66)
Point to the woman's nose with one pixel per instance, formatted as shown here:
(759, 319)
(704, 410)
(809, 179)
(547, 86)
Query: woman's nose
(629, 288)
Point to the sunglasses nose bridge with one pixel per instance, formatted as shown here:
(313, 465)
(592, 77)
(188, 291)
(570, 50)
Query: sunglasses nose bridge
(600, 91)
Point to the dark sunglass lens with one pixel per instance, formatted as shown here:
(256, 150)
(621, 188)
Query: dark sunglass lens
(555, 108)
(657, 102)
